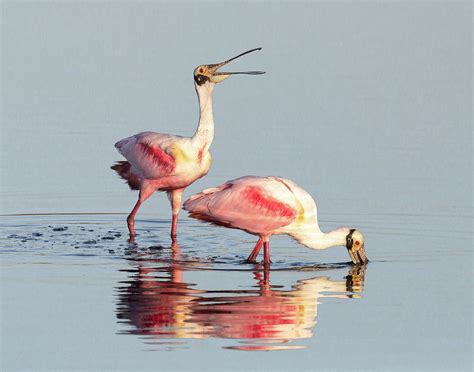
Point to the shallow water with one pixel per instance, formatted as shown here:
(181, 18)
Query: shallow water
(366, 106)
(74, 284)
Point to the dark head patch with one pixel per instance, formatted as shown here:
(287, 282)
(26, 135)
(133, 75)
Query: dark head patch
(349, 239)
(200, 79)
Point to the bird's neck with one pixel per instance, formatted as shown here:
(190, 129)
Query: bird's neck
(313, 237)
(205, 131)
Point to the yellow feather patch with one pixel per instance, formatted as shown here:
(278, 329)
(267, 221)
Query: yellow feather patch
(301, 211)
(179, 155)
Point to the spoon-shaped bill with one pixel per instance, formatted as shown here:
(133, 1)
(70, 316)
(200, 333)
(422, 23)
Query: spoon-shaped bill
(213, 68)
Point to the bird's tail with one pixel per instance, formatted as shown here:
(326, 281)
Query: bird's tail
(207, 218)
(124, 170)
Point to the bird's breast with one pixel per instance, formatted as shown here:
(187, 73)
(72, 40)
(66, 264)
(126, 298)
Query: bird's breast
(193, 166)
(205, 160)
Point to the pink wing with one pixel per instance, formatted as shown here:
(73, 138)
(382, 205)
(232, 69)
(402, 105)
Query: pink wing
(248, 203)
(147, 153)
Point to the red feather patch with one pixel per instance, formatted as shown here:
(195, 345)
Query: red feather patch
(200, 155)
(274, 207)
(163, 160)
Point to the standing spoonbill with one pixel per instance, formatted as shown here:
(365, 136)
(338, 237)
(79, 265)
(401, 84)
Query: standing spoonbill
(170, 163)
(267, 206)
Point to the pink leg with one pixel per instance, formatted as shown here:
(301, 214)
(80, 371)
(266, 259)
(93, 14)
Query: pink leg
(175, 198)
(266, 253)
(145, 193)
(253, 256)
(131, 219)
(174, 225)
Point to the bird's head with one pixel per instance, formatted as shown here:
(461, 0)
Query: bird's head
(209, 74)
(355, 247)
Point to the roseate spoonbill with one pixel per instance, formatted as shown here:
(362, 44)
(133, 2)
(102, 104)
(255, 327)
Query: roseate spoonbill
(266, 206)
(170, 163)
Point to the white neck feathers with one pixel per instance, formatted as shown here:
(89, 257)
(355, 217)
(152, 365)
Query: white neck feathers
(205, 130)
(313, 237)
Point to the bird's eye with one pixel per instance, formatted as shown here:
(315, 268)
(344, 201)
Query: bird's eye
(357, 242)
(201, 70)
(200, 79)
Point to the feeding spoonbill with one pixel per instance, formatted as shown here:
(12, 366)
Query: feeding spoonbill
(267, 206)
(170, 163)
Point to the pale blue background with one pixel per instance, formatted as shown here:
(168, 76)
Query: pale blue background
(367, 105)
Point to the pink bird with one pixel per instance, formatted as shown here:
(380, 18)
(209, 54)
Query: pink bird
(266, 206)
(165, 162)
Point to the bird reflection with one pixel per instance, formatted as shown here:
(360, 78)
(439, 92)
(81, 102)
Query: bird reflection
(157, 303)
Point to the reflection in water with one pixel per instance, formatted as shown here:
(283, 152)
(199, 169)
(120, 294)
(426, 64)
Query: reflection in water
(159, 305)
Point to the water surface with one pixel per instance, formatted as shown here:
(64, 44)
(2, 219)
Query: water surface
(368, 106)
